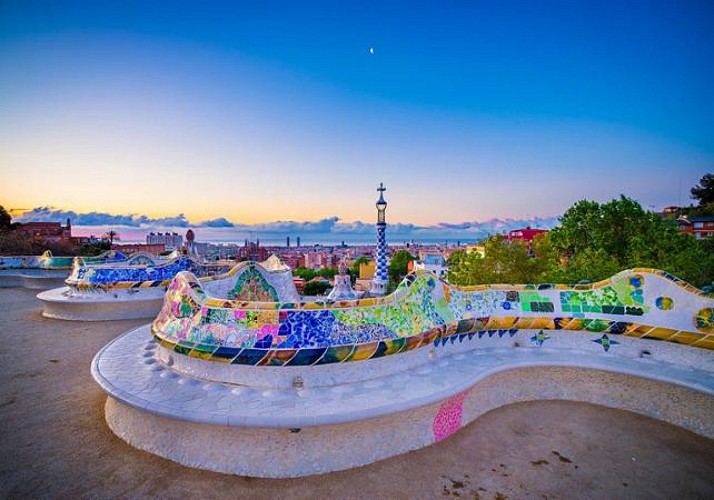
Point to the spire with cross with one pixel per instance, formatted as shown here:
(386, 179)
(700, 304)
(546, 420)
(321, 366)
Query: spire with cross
(381, 273)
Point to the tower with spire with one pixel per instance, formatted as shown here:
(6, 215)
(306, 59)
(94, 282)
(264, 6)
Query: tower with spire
(381, 272)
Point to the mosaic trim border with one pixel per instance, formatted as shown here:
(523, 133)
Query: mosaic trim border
(457, 331)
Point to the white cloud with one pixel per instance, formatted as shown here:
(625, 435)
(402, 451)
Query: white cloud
(327, 226)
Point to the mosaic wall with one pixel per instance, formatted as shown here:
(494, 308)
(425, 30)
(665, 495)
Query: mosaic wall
(103, 258)
(424, 311)
(131, 274)
(268, 281)
(44, 261)
(49, 261)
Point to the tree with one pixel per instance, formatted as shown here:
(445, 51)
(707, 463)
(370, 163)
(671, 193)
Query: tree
(5, 219)
(111, 235)
(577, 228)
(621, 228)
(466, 269)
(589, 265)
(598, 240)
(304, 273)
(399, 265)
(704, 191)
(327, 272)
(505, 262)
(313, 288)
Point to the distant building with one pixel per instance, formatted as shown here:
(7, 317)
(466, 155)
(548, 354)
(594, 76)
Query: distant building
(319, 259)
(171, 241)
(526, 234)
(128, 248)
(434, 262)
(46, 232)
(671, 211)
(698, 226)
(253, 251)
(367, 269)
(292, 260)
(299, 283)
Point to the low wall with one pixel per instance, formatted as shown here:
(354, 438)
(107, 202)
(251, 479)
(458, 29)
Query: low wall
(271, 452)
(99, 305)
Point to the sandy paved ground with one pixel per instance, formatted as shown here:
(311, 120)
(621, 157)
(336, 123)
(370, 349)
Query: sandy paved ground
(54, 442)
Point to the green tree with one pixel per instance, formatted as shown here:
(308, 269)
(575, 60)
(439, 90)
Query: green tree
(589, 265)
(704, 194)
(466, 269)
(505, 262)
(327, 272)
(686, 257)
(304, 273)
(704, 191)
(596, 241)
(5, 219)
(398, 265)
(621, 228)
(315, 288)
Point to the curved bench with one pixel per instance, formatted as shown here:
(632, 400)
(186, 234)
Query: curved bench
(275, 389)
(288, 432)
(131, 288)
(38, 272)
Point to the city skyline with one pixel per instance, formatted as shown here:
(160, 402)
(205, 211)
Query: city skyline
(252, 115)
(327, 230)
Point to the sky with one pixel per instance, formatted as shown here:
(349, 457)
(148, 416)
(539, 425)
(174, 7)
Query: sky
(244, 114)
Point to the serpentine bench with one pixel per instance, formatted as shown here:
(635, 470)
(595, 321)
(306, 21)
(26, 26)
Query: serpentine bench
(275, 389)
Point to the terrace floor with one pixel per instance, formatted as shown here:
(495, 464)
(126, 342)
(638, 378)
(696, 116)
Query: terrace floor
(55, 442)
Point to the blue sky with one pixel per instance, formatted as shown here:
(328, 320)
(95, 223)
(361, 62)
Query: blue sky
(277, 111)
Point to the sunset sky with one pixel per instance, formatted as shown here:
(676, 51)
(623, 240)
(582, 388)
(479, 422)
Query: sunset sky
(260, 111)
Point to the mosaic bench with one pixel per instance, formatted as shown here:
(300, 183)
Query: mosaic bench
(34, 271)
(276, 389)
(130, 288)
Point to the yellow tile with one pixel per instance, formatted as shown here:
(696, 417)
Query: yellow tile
(661, 333)
(706, 342)
(524, 323)
(687, 338)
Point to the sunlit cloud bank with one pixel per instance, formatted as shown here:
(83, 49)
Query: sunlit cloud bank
(133, 227)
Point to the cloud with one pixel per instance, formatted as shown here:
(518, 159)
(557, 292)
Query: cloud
(329, 226)
(447, 225)
(51, 214)
(321, 226)
(219, 222)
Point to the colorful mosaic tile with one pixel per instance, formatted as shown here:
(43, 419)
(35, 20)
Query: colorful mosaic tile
(448, 417)
(423, 311)
(44, 261)
(664, 303)
(539, 338)
(624, 296)
(251, 285)
(606, 342)
(704, 320)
